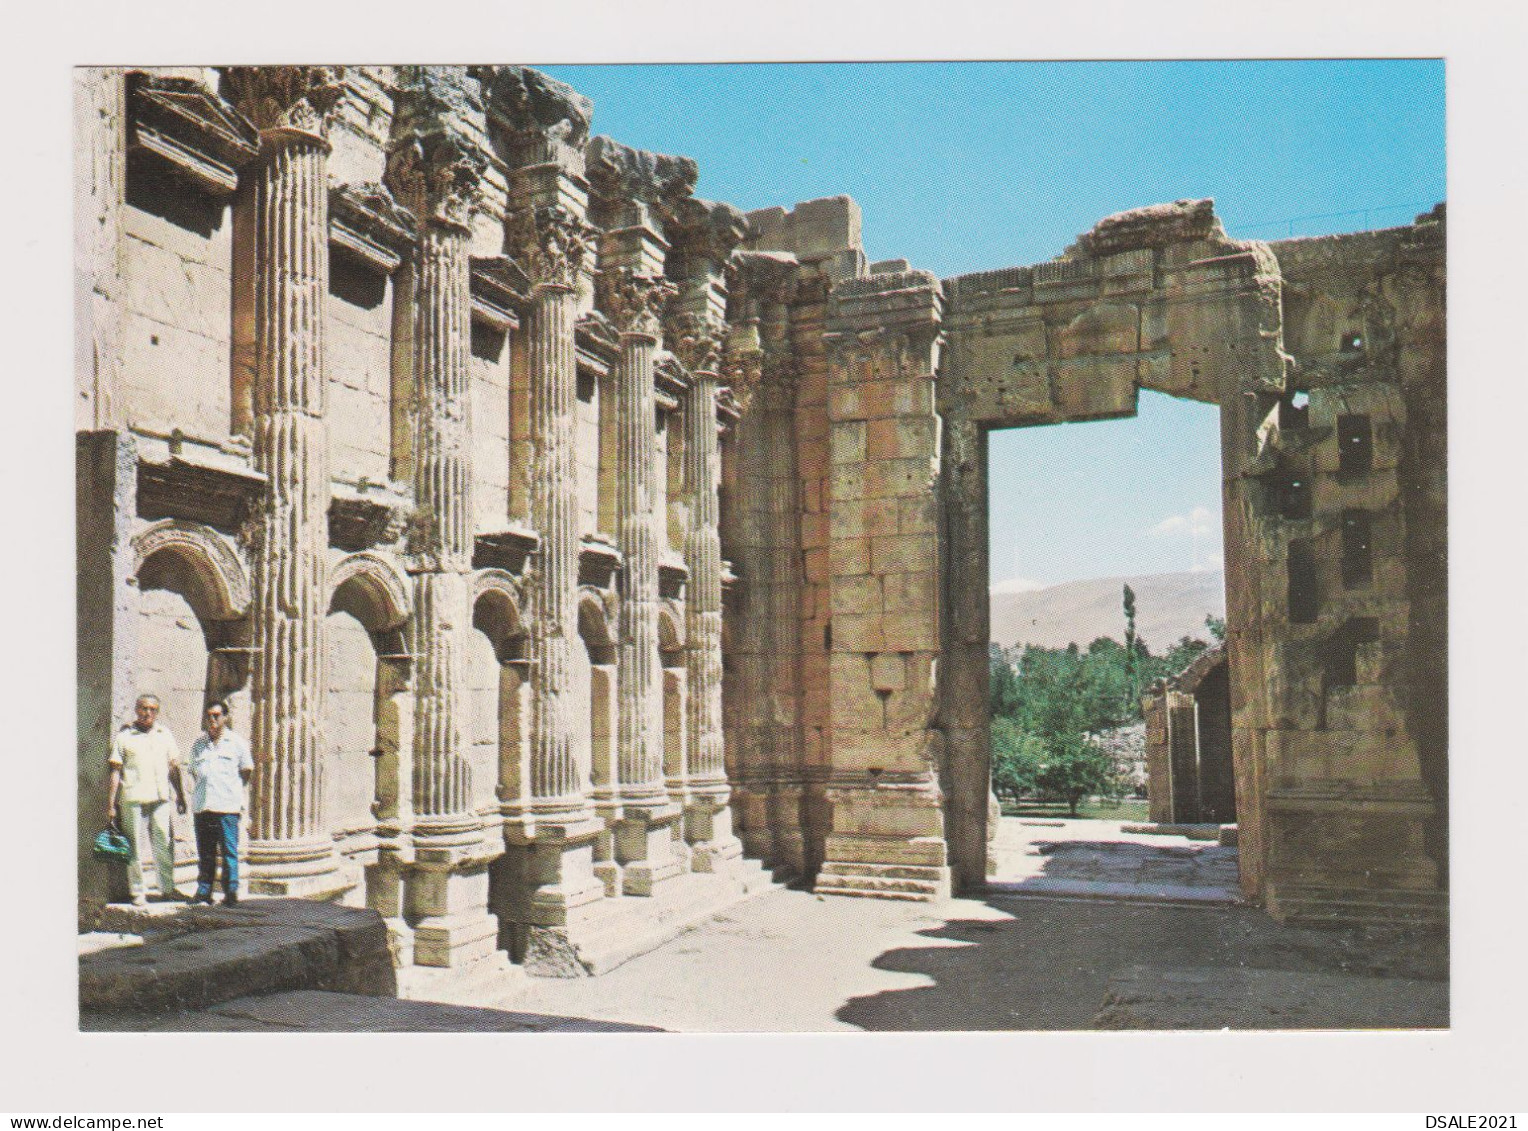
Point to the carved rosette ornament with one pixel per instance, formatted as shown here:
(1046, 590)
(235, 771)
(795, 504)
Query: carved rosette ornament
(553, 244)
(290, 846)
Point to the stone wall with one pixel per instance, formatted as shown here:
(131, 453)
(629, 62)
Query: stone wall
(548, 524)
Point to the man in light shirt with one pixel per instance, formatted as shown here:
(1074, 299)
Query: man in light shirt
(145, 766)
(221, 766)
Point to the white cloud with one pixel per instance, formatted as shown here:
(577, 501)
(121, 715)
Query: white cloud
(1199, 522)
(1016, 585)
(1170, 525)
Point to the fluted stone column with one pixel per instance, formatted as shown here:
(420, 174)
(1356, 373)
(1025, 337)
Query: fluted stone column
(436, 171)
(556, 788)
(697, 341)
(644, 836)
(291, 850)
(551, 837)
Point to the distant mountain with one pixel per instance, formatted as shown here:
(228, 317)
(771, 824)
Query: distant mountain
(1167, 606)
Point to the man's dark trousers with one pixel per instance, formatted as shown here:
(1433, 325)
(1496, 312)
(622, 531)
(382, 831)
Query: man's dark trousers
(217, 838)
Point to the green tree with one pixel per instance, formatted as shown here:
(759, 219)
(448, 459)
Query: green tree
(1130, 643)
(1216, 626)
(1074, 768)
(1016, 758)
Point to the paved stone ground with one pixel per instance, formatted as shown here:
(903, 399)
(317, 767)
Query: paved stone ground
(1147, 936)
(1097, 858)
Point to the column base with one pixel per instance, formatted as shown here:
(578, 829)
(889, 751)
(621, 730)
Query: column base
(546, 878)
(446, 903)
(298, 870)
(708, 830)
(645, 842)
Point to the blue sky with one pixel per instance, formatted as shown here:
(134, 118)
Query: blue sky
(974, 166)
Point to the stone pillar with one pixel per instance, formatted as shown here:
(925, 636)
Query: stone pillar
(708, 820)
(436, 172)
(644, 835)
(100, 118)
(290, 849)
(767, 550)
(704, 235)
(886, 744)
(555, 827)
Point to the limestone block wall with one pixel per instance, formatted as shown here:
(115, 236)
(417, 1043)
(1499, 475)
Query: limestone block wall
(177, 279)
(366, 446)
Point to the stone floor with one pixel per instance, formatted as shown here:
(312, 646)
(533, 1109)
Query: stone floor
(1100, 859)
(1084, 927)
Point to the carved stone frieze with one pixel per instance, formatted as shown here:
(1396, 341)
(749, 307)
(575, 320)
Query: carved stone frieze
(199, 135)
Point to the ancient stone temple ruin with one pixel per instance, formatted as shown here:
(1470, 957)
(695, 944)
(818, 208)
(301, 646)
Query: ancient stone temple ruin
(571, 548)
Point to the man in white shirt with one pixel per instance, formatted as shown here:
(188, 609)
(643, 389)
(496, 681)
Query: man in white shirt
(145, 766)
(221, 766)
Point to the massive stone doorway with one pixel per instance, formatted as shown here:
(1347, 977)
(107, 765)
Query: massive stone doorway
(1085, 517)
(1334, 795)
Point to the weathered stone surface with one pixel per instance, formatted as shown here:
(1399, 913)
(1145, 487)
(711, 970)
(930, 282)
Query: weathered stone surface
(409, 415)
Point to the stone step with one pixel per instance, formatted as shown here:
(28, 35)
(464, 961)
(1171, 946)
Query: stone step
(200, 956)
(878, 893)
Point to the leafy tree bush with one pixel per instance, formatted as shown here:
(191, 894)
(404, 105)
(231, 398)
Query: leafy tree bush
(1048, 702)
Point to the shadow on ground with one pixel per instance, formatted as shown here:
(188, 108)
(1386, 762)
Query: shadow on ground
(1052, 964)
(317, 1011)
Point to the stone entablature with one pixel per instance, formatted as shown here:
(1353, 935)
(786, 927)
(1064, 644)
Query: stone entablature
(599, 533)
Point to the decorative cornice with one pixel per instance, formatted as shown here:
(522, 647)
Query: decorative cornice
(366, 221)
(532, 116)
(499, 291)
(285, 98)
(620, 175)
(551, 243)
(183, 123)
(635, 302)
(596, 343)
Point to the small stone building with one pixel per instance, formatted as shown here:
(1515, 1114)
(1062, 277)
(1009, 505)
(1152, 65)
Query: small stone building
(1190, 777)
(568, 544)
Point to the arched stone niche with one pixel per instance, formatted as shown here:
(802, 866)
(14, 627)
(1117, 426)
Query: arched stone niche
(368, 695)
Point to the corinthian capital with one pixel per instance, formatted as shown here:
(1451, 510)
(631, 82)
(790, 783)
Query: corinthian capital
(434, 167)
(634, 301)
(551, 243)
(437, 176)
(274, 98)
(697, 342)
